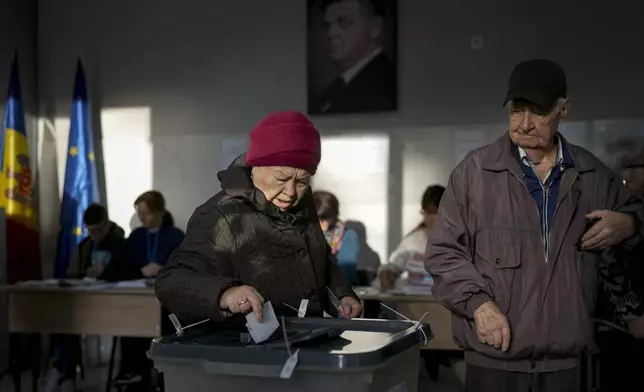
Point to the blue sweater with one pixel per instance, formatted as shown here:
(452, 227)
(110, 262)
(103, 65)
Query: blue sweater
(347, 256)
(141, 241)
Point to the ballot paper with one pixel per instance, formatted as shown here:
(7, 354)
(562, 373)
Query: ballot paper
(260, 331)
(301, 312)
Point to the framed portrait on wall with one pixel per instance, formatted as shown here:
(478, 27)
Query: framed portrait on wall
(351, 56)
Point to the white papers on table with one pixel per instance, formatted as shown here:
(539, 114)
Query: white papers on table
(134, 284)
(411, 290)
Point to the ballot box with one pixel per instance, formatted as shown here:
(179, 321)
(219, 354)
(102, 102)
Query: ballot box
(332, 355)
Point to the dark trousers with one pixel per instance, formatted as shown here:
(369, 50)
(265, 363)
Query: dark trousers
(67, 352)
(134, 359)
(621, 362)
(478, 379)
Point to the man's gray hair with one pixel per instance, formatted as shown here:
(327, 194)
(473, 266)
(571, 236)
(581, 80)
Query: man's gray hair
(560, 103)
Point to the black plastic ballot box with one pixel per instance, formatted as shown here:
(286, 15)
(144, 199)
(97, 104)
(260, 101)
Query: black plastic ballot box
(334, 355)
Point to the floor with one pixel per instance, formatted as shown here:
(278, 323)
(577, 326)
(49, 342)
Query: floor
(450, 381)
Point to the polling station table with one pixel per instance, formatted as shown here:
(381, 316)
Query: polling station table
(84, 308)
(414, 306)
(102, 309)
(349, 355)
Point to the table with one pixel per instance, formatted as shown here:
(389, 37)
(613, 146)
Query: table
(113, 311)
(414, 306)
(128, 311)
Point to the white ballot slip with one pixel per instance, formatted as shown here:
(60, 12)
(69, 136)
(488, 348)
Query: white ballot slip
(301, 312)
(262, 331)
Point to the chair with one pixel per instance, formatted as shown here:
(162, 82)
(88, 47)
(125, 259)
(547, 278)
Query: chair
(110, 368)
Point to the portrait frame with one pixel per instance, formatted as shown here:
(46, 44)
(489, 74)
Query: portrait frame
(352, 56)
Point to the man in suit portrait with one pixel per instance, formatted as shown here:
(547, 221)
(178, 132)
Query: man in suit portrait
(366, 78)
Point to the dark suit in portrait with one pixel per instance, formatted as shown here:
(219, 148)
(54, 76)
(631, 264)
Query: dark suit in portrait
(366, 79)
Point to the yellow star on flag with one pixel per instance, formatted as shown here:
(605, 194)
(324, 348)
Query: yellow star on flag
(73, 151)
(91, 155)
(78, 231)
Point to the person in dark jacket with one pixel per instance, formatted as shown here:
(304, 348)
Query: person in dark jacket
(150, 246)
(621, 351)
(147, 249)
(511, 253)
(97, 255)
(259, 239)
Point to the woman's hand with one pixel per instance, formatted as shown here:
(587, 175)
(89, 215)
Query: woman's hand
(387, 279)
(349, 307)
(151, 270)
(243, 299)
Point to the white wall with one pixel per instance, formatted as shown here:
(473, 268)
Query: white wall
(208, 70)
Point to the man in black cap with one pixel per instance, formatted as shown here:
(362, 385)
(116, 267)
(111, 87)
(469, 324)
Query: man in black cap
(526, 230)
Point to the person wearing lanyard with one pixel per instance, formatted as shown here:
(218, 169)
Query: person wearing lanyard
(151, 244)
(148, 248)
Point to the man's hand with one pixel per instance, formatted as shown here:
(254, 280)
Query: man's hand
(349, 307)
(95, 271)
(387, 279)
(243, 299)
(492, 326)
(151, 270)
(611, 229)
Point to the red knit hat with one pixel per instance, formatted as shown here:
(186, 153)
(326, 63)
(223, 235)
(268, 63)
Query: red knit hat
(285, 139)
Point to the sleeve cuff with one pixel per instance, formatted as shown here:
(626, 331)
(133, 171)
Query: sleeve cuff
(219, 312)
(474, 302)
(638, 234)
(346, 293)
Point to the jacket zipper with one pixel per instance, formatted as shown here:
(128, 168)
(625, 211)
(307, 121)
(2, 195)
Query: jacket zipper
(545, 256)
(561, 199)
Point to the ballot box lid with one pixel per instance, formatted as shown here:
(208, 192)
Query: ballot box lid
(356, 343)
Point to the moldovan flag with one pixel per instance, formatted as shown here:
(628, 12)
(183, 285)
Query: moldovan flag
(16, 193)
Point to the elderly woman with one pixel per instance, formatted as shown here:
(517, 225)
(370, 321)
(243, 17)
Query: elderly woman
(259, 239)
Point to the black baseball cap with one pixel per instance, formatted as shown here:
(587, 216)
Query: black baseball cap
(538, 81)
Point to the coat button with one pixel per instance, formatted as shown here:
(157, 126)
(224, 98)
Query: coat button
(497, 260)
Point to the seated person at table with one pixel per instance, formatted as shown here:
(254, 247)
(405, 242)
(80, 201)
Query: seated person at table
(148, 248)
(342, 240)
(95, 255)
(409, 255)
(259, 239)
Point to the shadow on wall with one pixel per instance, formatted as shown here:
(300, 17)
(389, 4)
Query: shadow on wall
(368, 259)
(48, 188)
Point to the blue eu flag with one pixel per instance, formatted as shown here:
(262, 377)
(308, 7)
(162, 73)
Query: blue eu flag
(81, 188)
